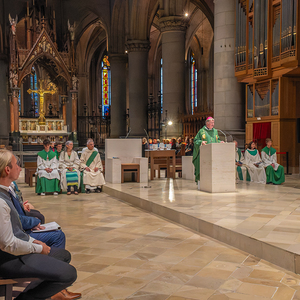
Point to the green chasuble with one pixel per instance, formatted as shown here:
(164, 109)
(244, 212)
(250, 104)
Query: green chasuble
(204, 134)
(275, 177)
(43, 184)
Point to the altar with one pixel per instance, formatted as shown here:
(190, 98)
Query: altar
(43, 87)
(32, 132)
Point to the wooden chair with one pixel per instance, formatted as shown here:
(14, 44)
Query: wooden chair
(133, 168)
(6, 288)
(30, 170)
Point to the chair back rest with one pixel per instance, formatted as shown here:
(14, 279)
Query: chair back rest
(30, 164)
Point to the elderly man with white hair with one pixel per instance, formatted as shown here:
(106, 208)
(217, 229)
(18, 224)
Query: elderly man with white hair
(91, 165)
(69, 164)
(206, 135)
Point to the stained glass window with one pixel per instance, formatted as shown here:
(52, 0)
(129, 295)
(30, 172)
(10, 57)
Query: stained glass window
(19, 102)
(161, 85)
(34, 96)
(106, 86)
(194, 85)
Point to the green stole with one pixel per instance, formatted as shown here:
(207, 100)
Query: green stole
(44, 155)
(252, 152)
(57, 154)
(269, 151)
(239, 153)
(91, 158)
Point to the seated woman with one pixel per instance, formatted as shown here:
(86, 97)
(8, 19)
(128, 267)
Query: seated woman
(274, 171)
(254, 164)
(47, 171)
(69, 164)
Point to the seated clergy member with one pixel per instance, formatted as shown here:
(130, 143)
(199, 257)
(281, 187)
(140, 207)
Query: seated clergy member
(69, 164)
(21, 256)
(241, 169)
(47, 171)
(274, 171)
(254, 164)
(58, 150)
(90, 163)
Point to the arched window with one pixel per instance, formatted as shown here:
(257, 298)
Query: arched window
(194, 84)
(106, 86)
(161, 86)
(34, 96)
(19, 102)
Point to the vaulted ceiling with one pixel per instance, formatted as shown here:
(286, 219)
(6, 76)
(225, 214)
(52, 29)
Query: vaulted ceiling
(83, 12)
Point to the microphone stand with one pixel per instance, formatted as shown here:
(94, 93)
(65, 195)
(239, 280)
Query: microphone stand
(223, 134)
(128, 133)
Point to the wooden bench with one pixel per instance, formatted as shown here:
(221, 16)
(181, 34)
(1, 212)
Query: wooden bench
(133, 168)
(160, 164)
(30, 170)
(6, 286)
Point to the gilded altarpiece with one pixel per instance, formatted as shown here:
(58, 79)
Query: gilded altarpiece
(41, 77)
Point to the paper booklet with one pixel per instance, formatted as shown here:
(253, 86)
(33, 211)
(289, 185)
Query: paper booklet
(48, 227)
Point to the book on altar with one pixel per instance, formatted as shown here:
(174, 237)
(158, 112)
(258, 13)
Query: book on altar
(48, 227)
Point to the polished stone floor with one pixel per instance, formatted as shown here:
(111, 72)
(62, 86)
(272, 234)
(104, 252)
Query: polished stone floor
(122, 252)
(268, 214)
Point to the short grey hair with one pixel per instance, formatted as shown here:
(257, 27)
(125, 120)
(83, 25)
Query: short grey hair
(89, 141)
(68, 143)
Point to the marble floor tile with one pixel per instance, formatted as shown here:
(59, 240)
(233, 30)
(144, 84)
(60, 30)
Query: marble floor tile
(122, 252)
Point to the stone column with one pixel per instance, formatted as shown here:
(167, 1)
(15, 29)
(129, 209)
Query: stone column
(118, 95)
(173, 55)
(64, 109)
(11, 111)
(138, 86)
(228, 99)
(82, 92)
(74, 110)
(74, 94)
(15, 95)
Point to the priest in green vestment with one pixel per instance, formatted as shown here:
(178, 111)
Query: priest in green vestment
(48, 179)
(91, 165)
(274, 171)
(206, 135)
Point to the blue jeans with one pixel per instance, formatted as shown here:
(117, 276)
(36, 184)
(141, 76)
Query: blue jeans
(55, 238)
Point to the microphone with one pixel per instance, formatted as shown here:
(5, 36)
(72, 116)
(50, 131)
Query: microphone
(223, 134)
(146, 134)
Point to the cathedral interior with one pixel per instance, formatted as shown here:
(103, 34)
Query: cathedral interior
(105, 69)
(102, 69)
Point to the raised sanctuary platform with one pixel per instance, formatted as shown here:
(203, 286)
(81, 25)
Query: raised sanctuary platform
(263, 220)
